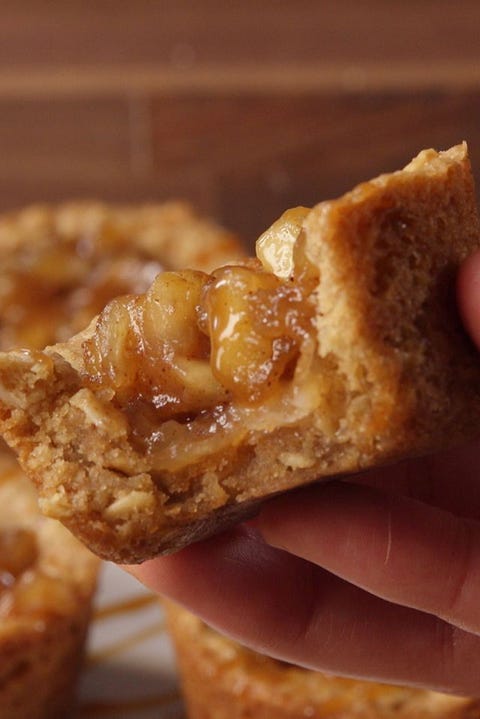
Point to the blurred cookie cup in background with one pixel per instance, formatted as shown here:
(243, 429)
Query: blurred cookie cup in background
(223, 680)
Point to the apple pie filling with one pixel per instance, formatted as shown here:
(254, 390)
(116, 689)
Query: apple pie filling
(201, 357)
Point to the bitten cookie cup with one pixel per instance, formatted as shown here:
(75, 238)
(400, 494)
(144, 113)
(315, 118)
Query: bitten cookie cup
(340, 348)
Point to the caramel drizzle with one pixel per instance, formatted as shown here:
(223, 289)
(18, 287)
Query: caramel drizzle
(129, 706)
(94, 709)
(126, 643)
(126, 605)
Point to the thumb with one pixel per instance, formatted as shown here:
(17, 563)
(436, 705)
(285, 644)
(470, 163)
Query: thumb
(468, 294)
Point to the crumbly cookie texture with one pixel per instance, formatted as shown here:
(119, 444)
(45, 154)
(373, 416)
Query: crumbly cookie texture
(179, 410)
(60, 264)
(223, 680)
(47, 580)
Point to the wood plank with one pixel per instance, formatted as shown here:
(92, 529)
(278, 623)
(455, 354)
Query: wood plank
(243, 79)
(244, 159)
(184, 31)
(183, 46)
(121, 188)
(269, 155)
(63, 140)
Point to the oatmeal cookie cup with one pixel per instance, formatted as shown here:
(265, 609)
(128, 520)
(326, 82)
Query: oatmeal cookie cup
(222, 680)
(47, 581)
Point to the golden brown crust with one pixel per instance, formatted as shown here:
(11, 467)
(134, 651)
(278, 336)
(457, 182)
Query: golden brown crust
(222, 680)
(394, 375)
(44, 615)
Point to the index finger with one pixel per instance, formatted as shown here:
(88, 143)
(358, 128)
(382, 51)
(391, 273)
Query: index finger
(290, 609)
(448, 480)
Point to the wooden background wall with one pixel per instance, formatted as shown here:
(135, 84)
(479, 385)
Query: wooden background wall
(242, 107)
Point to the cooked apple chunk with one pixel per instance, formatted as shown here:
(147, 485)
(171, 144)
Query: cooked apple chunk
(337, 349)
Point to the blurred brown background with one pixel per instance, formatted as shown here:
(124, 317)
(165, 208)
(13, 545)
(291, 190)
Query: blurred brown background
(244, 108)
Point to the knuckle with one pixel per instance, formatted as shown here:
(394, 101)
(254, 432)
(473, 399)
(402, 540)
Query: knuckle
(458, 666)
(462, 546)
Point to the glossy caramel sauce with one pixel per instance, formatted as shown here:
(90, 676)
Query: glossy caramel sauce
(187, 358)
(18, 552)
(51, 288)
(125, 606)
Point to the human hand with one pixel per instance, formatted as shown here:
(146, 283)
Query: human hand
(377, 577)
